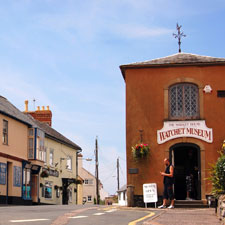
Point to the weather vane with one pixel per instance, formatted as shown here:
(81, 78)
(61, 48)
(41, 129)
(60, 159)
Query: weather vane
(179, 35)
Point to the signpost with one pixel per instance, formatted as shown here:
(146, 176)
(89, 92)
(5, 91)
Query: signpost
(150, 193)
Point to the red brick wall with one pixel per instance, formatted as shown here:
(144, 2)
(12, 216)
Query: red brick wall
(43, 116)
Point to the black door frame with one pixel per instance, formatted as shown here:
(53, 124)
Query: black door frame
(192, 145)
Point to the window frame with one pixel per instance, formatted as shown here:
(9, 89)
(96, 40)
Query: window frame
(88, 181)
(90, 198)
(3, 172)
(17, 176)
(45, 156)
(48, 184)
(184, 116)
(70, 194)
(5, 141)
(40, 144)
(69, 158)
(26, 193)
(51, 152)
(31, 143)
(57, 193)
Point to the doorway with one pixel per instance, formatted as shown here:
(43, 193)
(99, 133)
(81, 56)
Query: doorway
(187, 171)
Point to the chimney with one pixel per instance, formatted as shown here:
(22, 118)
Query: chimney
(80, 163)
(43, 115)
(26, 105)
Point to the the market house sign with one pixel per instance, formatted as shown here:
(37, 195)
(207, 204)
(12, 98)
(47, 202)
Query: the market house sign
(175, 129)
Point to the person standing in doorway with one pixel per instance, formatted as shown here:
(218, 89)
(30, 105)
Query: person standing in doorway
(168, 185)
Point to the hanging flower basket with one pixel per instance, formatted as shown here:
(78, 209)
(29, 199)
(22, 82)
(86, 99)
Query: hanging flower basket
(44, 174)
(223, 147)
(140, 150)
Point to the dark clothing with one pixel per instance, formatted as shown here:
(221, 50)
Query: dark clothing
(168, 180)
(168, 185)
(168, 192)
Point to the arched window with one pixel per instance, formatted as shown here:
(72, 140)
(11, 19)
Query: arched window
(183, 101)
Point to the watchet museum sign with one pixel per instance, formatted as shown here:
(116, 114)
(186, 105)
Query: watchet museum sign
(175, 129)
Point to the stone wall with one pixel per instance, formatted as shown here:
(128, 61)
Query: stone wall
(221, 208)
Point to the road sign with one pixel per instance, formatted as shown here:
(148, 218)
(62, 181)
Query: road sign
(150, 192)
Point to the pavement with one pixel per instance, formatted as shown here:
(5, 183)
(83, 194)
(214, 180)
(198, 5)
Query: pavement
(181, 216)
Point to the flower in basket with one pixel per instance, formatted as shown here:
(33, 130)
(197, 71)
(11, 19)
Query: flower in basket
(223, 146)
(140, 150)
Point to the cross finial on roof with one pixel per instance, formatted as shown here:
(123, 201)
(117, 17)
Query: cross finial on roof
(179, 35)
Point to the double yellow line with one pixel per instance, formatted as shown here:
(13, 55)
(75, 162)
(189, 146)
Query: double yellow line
(143, 218)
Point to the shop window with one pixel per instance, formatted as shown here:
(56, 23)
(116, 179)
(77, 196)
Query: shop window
(17, 176)
(47, 190)
(183, 101)
(3, 167)
(5, 132)
(89, 198)
(26, 183)
(51, 157)
(69, 163)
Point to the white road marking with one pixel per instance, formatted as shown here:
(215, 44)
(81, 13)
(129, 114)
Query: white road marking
(98, 214)
(77, 217)
(29, 220)
(112, 210)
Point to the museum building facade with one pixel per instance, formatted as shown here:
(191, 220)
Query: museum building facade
(175, 105)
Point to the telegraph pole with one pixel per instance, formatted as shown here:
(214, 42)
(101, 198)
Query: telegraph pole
(118, 174)
(96, 171)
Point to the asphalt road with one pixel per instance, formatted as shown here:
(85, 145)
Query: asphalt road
(66, 214)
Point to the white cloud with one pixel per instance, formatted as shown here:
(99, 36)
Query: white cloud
(139, 31)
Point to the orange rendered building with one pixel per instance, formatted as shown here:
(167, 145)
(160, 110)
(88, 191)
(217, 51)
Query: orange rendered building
(175, 105)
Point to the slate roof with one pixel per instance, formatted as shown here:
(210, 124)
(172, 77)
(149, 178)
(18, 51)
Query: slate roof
(53, 134)
(8, 109)
(179, 59)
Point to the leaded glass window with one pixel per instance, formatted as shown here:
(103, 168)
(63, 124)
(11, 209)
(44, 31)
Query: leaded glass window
(183, 101)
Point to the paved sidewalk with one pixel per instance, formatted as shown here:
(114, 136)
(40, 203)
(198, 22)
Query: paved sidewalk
(185, 217)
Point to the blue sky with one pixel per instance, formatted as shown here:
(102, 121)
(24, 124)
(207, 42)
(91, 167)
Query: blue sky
(66, 54)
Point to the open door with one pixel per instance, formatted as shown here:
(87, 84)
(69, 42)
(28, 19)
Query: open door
(187, 171)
